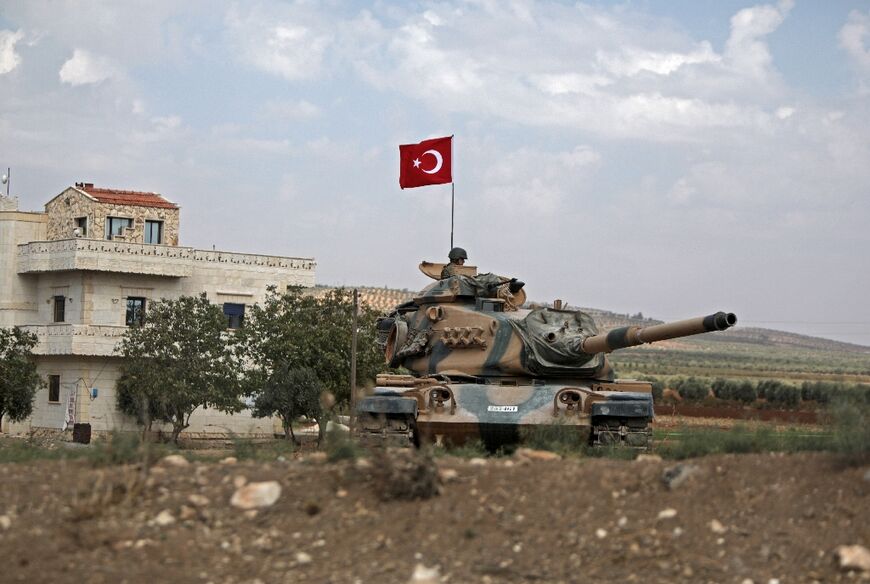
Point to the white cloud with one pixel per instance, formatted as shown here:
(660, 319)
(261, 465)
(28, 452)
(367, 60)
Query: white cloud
(854, 35)
(280, 43)
(785, 112)
(84, 68)
(9, 59)
(632, 61)
(589, 68)
(527, 182)
(562, 83)
(289, 110)
(162, 129)
(746, 48)
(682, 191)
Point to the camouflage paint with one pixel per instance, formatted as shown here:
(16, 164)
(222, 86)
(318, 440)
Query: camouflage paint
(487, 371)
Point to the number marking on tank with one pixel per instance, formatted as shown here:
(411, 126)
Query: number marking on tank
(502, 408)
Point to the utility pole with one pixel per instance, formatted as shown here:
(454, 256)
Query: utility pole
(355, 326)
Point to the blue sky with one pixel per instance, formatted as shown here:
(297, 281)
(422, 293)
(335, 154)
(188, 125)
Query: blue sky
(668, 157)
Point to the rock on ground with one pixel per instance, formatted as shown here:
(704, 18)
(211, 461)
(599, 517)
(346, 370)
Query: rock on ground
(854, 557)
(256, 495)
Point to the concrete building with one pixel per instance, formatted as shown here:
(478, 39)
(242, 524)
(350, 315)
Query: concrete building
(79, 273)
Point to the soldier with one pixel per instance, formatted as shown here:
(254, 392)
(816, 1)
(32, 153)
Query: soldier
(487, 284)
(457, 257)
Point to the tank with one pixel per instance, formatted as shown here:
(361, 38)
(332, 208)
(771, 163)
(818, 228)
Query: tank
(483, 367)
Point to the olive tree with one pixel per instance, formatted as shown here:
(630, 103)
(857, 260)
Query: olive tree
(19, 381)
(179, 359)
(288, 394)
(298, 330)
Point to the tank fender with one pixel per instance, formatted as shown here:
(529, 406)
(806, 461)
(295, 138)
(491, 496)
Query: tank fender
(388, 404)
(625, 405)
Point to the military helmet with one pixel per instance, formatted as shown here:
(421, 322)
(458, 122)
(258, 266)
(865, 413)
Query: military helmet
(457, 253)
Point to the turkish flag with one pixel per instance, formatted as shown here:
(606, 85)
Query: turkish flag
(426, 163)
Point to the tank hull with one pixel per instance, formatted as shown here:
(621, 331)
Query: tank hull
(501, 415)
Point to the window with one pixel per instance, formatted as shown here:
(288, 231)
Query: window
(114, 226)
(82, 226)
(59, 308)
(153, 231)
(54, 388)
(235, 314)
(135, 311)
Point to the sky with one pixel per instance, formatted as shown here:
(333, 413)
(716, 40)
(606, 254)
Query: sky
(674, 158)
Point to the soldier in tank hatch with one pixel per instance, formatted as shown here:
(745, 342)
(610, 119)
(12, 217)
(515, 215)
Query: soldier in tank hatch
(484, 285)
(457, 257)
(487, 284)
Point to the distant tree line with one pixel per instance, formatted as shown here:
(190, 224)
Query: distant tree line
(771, 391)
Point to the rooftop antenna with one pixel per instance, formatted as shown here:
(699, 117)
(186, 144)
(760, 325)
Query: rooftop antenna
(7, 178)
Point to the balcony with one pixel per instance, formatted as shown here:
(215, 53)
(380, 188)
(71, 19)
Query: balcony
(142, 258)
(104, 256)
(76, 339)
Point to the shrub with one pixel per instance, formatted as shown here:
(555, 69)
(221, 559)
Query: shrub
(779, 393)
(694, 389)
(340, 446)
(723, 388)
(405, 475)
(745, 392)
(851, 421)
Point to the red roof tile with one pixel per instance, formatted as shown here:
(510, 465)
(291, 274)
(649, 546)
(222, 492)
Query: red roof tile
(119, 197)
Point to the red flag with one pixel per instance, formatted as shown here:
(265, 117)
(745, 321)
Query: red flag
(426, 163)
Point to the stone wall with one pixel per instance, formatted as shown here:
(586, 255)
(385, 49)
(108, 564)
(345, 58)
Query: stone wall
(18, 302)
(64, 209)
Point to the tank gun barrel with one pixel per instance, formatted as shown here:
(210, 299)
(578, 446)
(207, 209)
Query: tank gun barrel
(631, 336)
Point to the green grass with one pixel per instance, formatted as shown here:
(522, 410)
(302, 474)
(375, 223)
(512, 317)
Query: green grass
(262, 451)
(691, 442)
(340, 446)
(24, 450)
(563, 439)
(113, 449)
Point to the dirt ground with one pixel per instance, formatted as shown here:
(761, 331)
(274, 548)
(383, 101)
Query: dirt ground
(766, 518)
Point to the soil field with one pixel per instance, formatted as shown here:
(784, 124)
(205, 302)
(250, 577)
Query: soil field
(757, 517)
(766, 415)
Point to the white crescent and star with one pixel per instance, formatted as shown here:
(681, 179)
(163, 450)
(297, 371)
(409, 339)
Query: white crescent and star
(439, 161)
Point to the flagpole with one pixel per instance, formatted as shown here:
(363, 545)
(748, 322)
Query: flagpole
(452, 192)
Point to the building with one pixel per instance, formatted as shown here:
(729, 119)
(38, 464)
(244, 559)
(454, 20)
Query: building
(78, 274)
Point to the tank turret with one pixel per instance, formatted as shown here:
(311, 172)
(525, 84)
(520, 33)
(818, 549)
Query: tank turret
(483, 365)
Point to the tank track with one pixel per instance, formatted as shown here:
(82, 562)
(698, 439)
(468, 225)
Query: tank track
(386, 431)
(621, 433)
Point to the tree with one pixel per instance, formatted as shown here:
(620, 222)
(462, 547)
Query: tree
(296, 330)
(288, 394)
(179, 359)
(19, 381)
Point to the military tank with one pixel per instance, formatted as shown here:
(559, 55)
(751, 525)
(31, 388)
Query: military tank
(483, 367)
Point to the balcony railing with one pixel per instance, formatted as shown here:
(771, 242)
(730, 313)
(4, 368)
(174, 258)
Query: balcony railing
(76, 339)
(140, 258)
